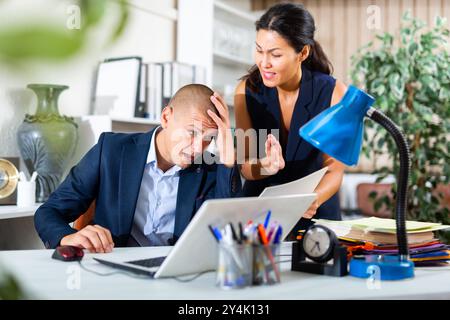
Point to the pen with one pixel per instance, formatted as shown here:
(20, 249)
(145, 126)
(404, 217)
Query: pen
(271, 233)
(217, 234)
(227, 234)
(213, 233)
(241, 233)
(233, 232)
(277, 237)
(228, 238)
(262, 234)
(263, 237)
(266, 222)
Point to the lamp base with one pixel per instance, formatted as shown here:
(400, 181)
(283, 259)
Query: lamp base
(382, 267)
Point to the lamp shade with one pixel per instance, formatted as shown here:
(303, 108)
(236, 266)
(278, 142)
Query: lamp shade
(338, 131)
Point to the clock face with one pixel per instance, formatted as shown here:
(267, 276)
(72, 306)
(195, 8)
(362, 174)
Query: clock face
(317, 242)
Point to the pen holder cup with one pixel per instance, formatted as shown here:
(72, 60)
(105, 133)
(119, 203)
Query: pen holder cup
(265, 268)
(26, 193)
(234, 268)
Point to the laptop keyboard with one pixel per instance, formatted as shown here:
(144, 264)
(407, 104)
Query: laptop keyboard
(148, 263)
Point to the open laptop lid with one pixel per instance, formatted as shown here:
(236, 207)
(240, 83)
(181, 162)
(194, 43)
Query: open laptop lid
(196, 249)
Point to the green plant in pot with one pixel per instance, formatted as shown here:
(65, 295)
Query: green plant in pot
(47, 140)
(409, 76)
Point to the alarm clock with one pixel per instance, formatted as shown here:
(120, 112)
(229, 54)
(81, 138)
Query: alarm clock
(319, 244)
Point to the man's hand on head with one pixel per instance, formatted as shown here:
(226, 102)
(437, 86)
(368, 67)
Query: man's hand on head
(224, 141)
(94, 238)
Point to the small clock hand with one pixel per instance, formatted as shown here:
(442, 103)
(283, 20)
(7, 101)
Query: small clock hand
(316, 245)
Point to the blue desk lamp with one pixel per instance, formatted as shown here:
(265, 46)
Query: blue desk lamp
(338, 132)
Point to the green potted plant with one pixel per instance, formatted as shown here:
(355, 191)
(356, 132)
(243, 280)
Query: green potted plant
(409, 76)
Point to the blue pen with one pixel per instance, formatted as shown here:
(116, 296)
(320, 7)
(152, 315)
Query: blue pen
(213, 233)
(216, 233)
(277, 237)
(266, 222)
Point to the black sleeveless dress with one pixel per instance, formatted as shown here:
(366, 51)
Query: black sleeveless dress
(301, 158)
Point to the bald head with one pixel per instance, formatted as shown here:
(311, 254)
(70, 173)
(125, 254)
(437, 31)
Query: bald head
(193, 96)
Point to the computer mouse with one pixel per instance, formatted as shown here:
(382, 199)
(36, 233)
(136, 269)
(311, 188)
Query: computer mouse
(68, 253)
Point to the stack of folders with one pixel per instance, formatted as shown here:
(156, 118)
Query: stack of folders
(162, 79)
(378, 236)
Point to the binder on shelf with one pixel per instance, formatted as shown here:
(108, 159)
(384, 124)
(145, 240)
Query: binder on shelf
(162, 81)
(141, 106)
(182, 74)
(175, 76)
(154, 88)
(167, 82)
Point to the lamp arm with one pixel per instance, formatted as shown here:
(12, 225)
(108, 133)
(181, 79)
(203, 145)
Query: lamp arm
(402, 180)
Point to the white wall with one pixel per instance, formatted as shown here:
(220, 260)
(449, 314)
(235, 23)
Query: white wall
(149, 35)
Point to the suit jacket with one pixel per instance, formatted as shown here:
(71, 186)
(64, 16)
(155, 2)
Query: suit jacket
(111, 173)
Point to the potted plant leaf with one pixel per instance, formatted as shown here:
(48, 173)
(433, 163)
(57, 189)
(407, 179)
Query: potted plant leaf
(10, 289)
(409, 75)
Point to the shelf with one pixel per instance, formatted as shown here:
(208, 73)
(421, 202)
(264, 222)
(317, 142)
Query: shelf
(228, 59)
(217, 40)
(136, 120)
(235, 12)
(9, 212)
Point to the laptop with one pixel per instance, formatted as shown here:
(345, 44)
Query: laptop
(196, 249)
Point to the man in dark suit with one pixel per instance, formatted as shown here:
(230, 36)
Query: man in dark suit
(146, 186)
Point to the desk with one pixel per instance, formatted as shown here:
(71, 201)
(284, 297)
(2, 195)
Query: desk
(47, 278)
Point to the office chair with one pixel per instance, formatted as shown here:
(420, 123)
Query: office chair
(86, 218)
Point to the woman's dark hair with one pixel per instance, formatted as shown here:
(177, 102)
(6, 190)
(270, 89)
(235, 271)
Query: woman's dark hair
(296, 25)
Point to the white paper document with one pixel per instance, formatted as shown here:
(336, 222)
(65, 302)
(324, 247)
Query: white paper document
(301, 186)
